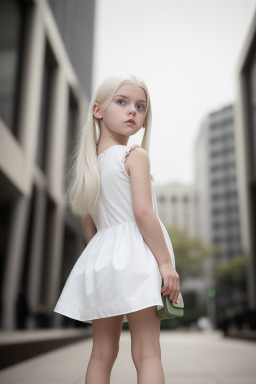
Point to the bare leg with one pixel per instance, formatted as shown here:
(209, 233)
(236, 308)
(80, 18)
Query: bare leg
(106, 335)
(146, 351)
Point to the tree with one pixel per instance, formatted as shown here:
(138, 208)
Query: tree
(190, 253)
(231, 282)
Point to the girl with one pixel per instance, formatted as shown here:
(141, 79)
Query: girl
(118, 277)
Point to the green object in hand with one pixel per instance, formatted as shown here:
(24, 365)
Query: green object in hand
(170, 309)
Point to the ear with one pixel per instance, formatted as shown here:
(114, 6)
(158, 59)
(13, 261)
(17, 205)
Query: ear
(97, 111)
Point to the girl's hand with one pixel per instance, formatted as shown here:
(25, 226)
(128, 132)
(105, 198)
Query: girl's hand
(171, 280)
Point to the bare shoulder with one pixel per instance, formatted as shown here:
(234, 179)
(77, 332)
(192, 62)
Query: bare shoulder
(138, 151)
(138, 159)
(136, 154)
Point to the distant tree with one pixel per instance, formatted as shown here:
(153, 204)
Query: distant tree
(190, 253)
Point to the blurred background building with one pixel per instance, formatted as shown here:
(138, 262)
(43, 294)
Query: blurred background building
(178, 207)
(45, 87)
(246, 147)
(216, 183)
(217, 188)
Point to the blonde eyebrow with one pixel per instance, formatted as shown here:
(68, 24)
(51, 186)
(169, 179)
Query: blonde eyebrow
(126, 97)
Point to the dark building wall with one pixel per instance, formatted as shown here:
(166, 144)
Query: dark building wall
(249, 83)
(75, 20)
(42, 105)
(246, 143)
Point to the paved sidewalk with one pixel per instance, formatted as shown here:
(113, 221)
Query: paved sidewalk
(18, 346)
(187, 357)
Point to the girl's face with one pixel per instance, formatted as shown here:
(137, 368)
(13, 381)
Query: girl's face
(128, 103)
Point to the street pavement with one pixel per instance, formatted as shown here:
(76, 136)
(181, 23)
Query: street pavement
(191, 357)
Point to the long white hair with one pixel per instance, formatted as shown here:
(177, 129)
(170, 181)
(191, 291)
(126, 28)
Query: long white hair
(84, 177)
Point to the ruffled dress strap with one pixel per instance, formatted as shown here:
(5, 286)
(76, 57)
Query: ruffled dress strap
(126, 153)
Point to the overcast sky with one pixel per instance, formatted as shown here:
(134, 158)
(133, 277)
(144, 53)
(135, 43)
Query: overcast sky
(187, 53)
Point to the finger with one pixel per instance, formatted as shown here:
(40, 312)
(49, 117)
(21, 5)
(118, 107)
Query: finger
(176, 299)
(165, 287)
(166, 292)
(169, 290)
(174, 291)
(178, 292)
(176, 296)
(163, 290)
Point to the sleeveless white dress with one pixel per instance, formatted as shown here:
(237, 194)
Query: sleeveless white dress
(117, 272)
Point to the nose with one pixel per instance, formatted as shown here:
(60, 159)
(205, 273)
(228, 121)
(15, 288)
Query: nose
(132, 110)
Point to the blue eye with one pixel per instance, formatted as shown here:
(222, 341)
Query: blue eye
(141, 107)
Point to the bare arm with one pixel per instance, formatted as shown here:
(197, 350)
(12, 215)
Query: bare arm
(147, 221)
(89, 228)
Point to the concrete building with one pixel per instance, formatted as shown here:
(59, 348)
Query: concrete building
(216, 183)
(246, 152)
(178, 207)
(44, 93)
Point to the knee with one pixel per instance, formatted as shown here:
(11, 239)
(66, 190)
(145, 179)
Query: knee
(142, 352)
(106, 353)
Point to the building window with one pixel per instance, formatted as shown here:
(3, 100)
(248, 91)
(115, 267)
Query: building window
(217, 240)
(12, 38)
(72, 131)
(226, 181)
(50, 67)
(221, 124)
(228, 137)
(174, 199)
(222, 167)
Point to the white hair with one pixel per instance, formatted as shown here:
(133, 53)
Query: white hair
(84, 176)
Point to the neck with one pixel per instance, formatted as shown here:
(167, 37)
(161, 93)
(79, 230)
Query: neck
(105, 136)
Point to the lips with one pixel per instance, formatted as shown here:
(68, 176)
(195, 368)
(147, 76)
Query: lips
(130, 121)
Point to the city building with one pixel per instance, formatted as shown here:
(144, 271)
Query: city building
(216, 183)
(246, 152)
(45, 87)
(178, 207)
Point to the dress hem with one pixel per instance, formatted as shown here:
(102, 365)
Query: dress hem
(127, 306)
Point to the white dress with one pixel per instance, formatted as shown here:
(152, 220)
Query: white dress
(117, 272)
